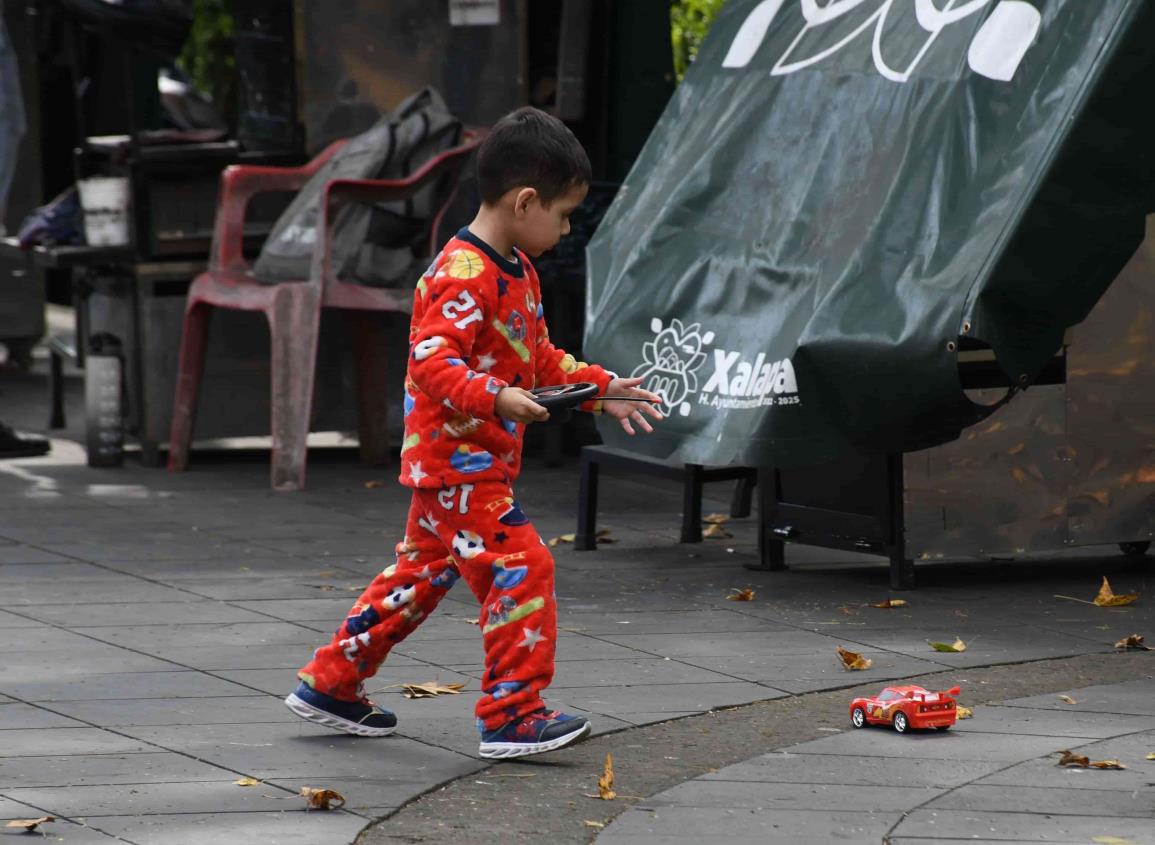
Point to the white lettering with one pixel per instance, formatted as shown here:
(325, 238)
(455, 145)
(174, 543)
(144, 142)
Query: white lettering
(719, 381)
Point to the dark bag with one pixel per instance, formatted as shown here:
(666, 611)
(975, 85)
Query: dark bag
(382, 245)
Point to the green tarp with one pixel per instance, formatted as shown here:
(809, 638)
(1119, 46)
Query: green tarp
(841, 193)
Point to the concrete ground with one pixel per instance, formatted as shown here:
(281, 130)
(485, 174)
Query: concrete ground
(151, 623)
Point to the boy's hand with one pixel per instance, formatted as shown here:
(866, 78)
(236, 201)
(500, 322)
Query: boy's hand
(513, 403)
(624, 412)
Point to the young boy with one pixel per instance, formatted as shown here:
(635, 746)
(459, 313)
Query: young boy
(478, 343)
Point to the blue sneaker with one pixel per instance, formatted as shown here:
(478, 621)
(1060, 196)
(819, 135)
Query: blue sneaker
(534, 733)
(363, 718)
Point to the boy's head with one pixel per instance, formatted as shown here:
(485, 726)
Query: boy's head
(534, 173)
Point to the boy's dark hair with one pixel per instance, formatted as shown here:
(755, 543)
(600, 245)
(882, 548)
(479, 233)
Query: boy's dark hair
(529, 148)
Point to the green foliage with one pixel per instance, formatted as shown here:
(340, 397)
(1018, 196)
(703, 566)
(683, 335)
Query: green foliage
(690, 20)
(207, 56)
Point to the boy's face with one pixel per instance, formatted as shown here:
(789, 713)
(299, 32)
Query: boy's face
(541, 225)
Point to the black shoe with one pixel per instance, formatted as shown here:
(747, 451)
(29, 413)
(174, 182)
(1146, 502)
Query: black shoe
(363, 718)
(13, 444)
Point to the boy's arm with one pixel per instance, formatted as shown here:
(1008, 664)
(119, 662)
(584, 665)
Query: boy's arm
(556, 366)
(454, 312)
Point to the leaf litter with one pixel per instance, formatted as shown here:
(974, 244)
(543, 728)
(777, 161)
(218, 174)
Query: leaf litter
(716, 532)
(1134, 641)
(30, 825)
(430, 689)
(1066, 699)
(716, 518)
(1106, 597)
(247, 782)
(854, 660)
(1079, 761)
(957, 646)
(605, 781)
(322, 799)
(739, 594)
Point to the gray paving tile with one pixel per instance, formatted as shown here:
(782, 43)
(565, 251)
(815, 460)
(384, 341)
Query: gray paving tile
(112, 589)
(78, 687)
(386, 682)
(19, 553)
(330, 609)
(1105, 801)
(1020, 827)
(115, 768)
(656, 698)
(855, 771)
(61, 830)
(469, 652)
(294, 587)
(24, 668)
(222, 658)
(194, 548)
(155, 638)
(220, 796)
(88, 615)
(288, 827)
(1023, 720)
(698, 824)
(43, 638)
(599, 624)
(378, 794)
(1133, 697)
(760, 797)
(33, 742)
(55, 573)
(22, 716)
(939, 745)
(185, 711)
(992, 645)
(646, 671)
(813, 671)
(723, 644)
(18, 620)
(269, 565)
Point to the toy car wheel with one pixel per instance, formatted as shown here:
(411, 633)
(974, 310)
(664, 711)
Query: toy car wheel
(900, 722)
(858, 717)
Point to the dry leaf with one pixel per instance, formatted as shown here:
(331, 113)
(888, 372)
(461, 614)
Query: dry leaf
(957, 646)
(564, 538)
(1107, 764)
(1069, 759)
(853, 660)
(741, 595)
(1113, 840)
(1133, 641)
(603, 536)
(247, 782)
(29, 825)
(430, 689)
(889, 603)
(962, 712)
(1066, 699)
(847, 609)
(374, 484)
(716, 532)
(716, 518)
(593, 824)
(322, 799)
(1107, 598)
(606, 781)
(1151, 755)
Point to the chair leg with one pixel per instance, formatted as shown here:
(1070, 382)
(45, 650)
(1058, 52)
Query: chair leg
(294, 324)
(692, 504)
(190, 368)
(586, 539)
(740, 505)
(369, 346)
(56, 390)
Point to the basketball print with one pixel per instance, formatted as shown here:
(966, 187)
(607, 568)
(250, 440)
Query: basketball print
(465, 264)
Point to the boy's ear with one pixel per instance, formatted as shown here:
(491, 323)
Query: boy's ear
(522, 200)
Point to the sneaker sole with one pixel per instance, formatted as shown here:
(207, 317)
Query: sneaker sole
(321, 717)
(506, 750)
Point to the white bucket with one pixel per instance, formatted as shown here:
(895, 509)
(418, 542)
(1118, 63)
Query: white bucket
(105, 204)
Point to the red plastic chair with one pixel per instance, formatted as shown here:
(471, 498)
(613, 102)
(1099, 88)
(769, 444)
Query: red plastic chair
(293, 309)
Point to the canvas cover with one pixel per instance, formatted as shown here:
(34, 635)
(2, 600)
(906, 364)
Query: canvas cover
(842, 193)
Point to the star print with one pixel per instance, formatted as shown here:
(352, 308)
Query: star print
(532, 638)
(507, 458)
(517, 379)
(416, 473)
(485, 362)
(425, 573)
(502, 286)
(500, 537)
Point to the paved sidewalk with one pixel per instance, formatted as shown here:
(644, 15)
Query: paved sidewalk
(150, 624)
(993, 778)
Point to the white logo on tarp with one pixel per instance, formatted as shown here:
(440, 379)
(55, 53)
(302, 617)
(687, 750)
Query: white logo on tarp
(995, 52)
(674, 356)
(672, 360)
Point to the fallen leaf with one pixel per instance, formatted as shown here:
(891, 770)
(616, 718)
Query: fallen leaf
(1066, 699)
(1151, 755)
(592, 823)
(29, 825)
(1107, 764)
(741, 595)
(564, 538)
(247, 782)
(1133, 641)
(373, 484)
(889, 603)
(716, 532)
(1078, 760)
(957, 646)
(430, 689)
(963, 712)
(716, 518)
(603, 536)
(1107, 598)
(853, 660)
(322, 799)
(847, 609)
(1113, 840)
(606, 781)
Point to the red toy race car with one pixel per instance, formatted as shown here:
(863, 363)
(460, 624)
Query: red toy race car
(906, 708)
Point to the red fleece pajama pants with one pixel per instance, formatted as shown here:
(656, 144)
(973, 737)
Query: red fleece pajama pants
(474, 531)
